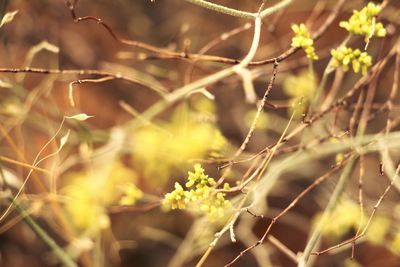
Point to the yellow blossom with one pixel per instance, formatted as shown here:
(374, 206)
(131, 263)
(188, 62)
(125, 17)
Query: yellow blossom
(177, 199)
(363, 22)
(200, 196)
(301, 89)
(344, 56)
(303, 39)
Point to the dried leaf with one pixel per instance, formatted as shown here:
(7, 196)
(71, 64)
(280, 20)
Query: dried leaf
(64, 140)
(8, 17)
(79, 117)
(5, 84)
(11, 178)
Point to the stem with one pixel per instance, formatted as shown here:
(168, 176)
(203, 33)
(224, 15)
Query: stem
(186, 90)
(328, 70)
(64, 258)
(270, 10)
(24, 165)
(180, 93)
(328, 211)
(321, 87)
(238, 13)
(223, 9)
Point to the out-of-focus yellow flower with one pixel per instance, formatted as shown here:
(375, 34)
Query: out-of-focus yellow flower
(363, 22)
(218, 145)
(301, 89)
(262, 122)
(346, 216)
(339, 156)
(160, 151)
(90, 193)
(86, 212)
(203, 105)
(131, 194)
(378, 230)
(351, 263)
(303, 39)
(395, 243)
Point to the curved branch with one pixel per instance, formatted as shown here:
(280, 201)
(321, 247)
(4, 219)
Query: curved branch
(238, 13)
(223, 9)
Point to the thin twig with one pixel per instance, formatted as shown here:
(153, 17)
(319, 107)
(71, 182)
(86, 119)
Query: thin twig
(22, 164)
(328, 211)
(374, 210)
(64, 258)
(71, 84)
(282, 213)
(162, 53)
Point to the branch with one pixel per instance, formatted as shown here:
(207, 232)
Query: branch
(238, 13)
(64, 258)
(186, 90)
(57, 250)
(328, 211)
(223, 9)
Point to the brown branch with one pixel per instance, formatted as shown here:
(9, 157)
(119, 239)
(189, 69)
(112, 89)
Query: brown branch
(374, 209)
(259, 111)
(360, 201)
(282, 248)
(213, 43)
(79, 72)
(168, 54)
(289, 207)
(394, 90)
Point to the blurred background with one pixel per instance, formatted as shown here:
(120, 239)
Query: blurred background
(96, 185)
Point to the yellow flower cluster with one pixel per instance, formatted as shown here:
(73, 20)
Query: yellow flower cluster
(343, 56)
(300, 88)
(363, 22)
(177, 199)
(303, 39)
(198, 178)
(200, 196)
